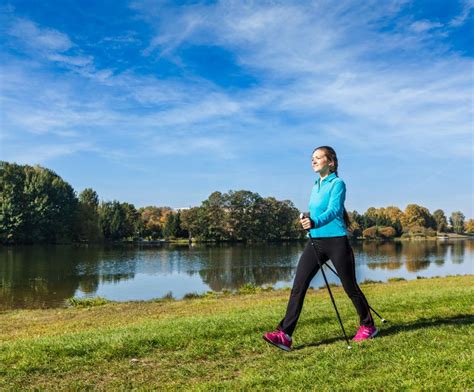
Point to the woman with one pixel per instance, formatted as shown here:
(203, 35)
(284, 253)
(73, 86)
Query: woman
(327, 222)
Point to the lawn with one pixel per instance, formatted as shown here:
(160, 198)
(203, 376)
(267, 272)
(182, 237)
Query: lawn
(214, 342)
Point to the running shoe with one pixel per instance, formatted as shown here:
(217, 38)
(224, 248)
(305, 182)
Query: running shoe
(278, 339)
(365, 333)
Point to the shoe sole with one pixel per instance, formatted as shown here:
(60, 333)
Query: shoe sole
(280, 346)
(368, 337)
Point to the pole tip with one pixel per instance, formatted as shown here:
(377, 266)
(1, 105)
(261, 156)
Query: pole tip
(384, 321)
(349, 347)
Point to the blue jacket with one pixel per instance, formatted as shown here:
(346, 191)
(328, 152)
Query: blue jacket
(326, 207)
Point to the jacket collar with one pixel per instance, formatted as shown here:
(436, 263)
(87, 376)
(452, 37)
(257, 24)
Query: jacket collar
(329, 178)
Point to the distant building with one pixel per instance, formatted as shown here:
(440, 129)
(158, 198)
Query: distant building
(181, 209)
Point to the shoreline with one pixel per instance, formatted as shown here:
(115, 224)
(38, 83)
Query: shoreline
(185, 242)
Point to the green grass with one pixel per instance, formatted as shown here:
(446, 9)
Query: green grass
(214, 343)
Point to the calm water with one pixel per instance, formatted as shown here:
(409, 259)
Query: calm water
(45, 276)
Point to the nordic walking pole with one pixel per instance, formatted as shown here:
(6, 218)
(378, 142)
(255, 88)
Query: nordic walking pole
(370, 307)
(327, 285)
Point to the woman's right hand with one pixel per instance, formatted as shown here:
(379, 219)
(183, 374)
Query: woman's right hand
(306, 223)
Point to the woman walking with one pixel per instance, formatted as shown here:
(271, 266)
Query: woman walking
(327, 222)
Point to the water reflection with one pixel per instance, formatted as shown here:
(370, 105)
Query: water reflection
(45, 276)
(233, 266)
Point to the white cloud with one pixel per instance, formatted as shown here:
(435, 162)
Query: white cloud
(42, 153)
(42, 39)
(49, 44)
(464, 15)
(335, 61)
(424, 25)
(330, 65)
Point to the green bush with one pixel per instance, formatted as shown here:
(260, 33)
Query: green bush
(370, 281)
(248, 288)
(192, 295)
(86, 302)
(396, 279)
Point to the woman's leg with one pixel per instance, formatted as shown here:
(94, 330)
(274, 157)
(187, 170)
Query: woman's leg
(307, 267)
(341, 254)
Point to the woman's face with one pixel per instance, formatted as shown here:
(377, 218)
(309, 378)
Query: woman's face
(320, 162)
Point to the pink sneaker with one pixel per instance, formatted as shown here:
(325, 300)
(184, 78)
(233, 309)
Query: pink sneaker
(365, 333)
(279, 339)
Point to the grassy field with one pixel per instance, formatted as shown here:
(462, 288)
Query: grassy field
(214, 343)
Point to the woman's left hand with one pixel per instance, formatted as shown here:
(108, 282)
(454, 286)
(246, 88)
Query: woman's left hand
(306, 223)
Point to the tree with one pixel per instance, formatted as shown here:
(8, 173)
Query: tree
(131, 220)
(469, 226)
(171, 228)
(457, 221)
(13, 204)
(278, 219)
(441, 221)
(395, 217)
(193, 221)
(245, 215)
(416, 216)
(215, 212)
(150, 222)
(88, 220)
(36, 205)
(355, 228)
(117, 220)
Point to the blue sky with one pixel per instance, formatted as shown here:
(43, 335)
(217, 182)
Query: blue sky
(162, 103)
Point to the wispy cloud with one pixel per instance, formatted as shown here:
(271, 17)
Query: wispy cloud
(462, 18)
(371, 78)
(42, 39)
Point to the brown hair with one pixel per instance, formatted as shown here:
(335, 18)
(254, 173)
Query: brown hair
(331, 155)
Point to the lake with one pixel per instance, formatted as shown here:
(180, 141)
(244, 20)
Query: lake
(45, 276)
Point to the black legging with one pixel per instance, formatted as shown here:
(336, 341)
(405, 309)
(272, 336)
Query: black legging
(339, 251)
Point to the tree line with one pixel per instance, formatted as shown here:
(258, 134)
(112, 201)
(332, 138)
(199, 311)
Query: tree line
(38, 206)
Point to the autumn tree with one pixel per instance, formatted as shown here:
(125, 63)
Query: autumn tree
(415, 217)
(150, 225)
(457, 221)
(357, 222)
(441, 221)
(469, 226)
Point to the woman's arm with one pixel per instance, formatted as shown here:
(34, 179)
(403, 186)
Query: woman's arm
(335, 205)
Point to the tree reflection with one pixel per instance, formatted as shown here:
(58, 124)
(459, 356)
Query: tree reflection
(45, 276)
(230, 267)
(36, 277)
(415, 255)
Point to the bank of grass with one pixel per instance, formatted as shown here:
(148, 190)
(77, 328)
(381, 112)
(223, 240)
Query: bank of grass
(211, 343)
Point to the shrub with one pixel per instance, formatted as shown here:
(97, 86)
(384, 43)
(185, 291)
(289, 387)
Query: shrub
(370, 281)
(371, 232)
(168, 296)
(387, 232)
(247, 288)
(192, 295)
(86, 302)
(396, 279)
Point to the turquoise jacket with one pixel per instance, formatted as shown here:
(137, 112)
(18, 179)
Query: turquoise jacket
(326, 207)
